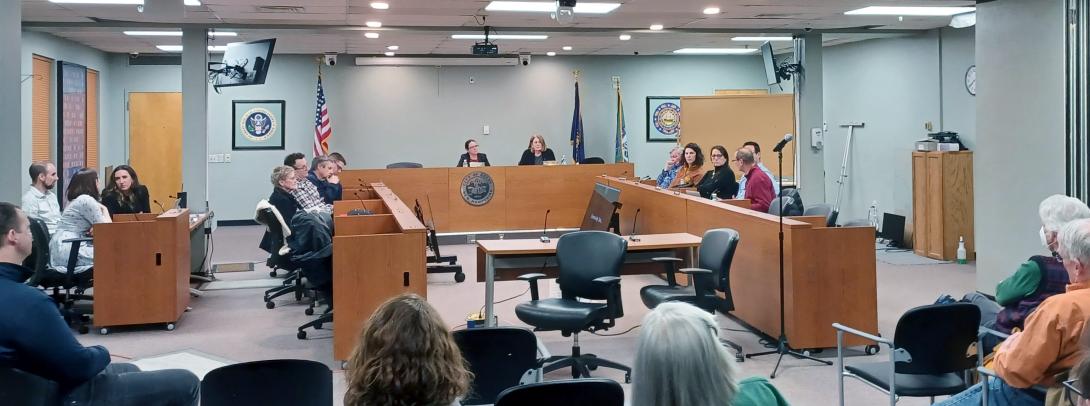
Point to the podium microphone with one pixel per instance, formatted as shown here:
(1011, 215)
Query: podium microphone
(633, 237)
(786, 139)
(161, 209)
(545, 237)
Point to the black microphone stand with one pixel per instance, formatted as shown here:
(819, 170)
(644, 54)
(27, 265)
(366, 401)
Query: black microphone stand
(782, 346)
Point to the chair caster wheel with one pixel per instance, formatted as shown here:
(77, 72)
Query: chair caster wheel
(627, 377)
(104, 331)
(592, 367)
(318, 326)
(309, 311)
(170, 326)
(871, 349)
(83, 329)
(270, 305)
(302, 335)
(272, 274)
(459, 277)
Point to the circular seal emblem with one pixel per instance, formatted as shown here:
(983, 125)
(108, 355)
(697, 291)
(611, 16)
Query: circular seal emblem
(477, 188)
(668, 118)
(257, 124)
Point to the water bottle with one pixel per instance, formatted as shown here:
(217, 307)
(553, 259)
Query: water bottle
(563, 159)
(962, 254)
(872, 214)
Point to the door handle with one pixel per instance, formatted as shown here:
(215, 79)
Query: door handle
(158, 259)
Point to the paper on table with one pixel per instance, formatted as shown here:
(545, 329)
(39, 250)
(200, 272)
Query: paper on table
(197, 364)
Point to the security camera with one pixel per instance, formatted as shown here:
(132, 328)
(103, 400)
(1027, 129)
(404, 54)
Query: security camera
(524, 59)
(635, 52)
(330, 59)
(808, 29)
(134, 54)
(140, 8)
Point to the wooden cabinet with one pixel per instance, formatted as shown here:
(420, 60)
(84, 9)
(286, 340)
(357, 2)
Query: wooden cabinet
(942, 203)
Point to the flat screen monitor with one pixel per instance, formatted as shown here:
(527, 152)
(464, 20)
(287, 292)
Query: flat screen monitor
(893, 229)
(600, 210)
(245, 63)
(770, 64)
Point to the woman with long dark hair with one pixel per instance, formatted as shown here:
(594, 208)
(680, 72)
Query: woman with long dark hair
(692, 167)
(124, 194)
(82, 212)
(720, 180)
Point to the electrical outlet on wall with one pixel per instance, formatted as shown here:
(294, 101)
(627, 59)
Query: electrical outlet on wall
(486, 130)
(227, 158)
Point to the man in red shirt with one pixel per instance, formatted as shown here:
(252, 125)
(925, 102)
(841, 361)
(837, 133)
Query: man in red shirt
(758, 185)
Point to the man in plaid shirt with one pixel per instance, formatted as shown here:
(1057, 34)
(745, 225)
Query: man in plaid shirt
(306, 193)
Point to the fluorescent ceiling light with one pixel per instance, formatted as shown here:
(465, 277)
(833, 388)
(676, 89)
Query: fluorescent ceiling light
(716, 51)
(178, 48)
(390, 54)
(548, 7)
(374, 24)
(191, 2)
(910, 11)
(371, 35)
(566, 47)
(550, 53)
(436, 61)
(393, 47)
(760, 39)
(177, 33)
(624, 37)
(378, 5)
(97, 1)
(500, 36)
(963, 20)
(656, 27)
(711, 10)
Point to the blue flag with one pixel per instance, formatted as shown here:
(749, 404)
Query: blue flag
(620, 150)
(577, 150)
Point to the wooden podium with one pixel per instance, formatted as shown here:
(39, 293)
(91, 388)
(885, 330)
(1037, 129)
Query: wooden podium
(141, 269)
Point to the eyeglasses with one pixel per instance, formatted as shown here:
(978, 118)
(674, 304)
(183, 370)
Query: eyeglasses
(717, 156)
(1071, 393)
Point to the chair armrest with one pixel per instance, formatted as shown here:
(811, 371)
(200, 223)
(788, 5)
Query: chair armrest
(670, 263)
(984, 331)
(868, 336)
(532, 279)
(613, 295)
(693, 271)
(666, 259)
(608, 280)
(77, 239)
(988, 373)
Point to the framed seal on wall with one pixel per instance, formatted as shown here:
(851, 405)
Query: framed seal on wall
(663, 118)
(257, 124)
(477, 188)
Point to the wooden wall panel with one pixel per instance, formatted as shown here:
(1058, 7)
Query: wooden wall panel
(410, 184)
(41, 103)
(934, 209)
(465, 217)
(919, 205)
(733, 120)
(565, 190)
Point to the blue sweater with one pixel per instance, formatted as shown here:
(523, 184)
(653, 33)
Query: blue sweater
(329, 191)
(35, 338)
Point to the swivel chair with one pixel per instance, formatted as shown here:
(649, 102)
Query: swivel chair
(274, 382)
(68, 286)
(590, 268)
(396, 165)
(713, 274)
(499, 357)
(581, 392)
(293, 283)
(593, 160)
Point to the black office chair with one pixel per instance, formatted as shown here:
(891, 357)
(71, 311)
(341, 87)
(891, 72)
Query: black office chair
(438, 263)
(928, 356)
(404, 165)
(18, 387)
(68, 286)
(712, 274)
(821, 209)
(593, 160)
(580, 392)
(590, 268)
(293, 382)
(293, 283)
(499, 357)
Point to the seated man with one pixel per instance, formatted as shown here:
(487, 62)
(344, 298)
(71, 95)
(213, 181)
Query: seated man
(339, 160)
(34, 338)
(758, 185)
(305, 192)
(39, 201)
(755, 148)
(1050, 343)
(324, 177)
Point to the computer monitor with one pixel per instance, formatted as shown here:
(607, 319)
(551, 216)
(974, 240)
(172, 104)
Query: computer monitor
(601, 208)
(893, 229)
(770, 64)
(244, 63)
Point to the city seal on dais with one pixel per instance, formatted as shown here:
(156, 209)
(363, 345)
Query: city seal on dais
(478, 188)
(258, 124)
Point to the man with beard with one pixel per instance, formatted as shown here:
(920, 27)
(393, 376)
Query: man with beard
(39, 201)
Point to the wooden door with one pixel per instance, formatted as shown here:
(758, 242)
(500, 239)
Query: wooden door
(155, 144)
(919, 206)
(934, 207)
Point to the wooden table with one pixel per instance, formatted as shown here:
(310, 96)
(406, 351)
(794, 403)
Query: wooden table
(495, 251)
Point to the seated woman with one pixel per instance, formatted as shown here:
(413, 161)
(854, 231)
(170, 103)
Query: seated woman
(680, 362)
(284, 181)
(472, 155)
(536, 153)
(82, 212)
(692, 168)
(124, 194)
(406, 356)
(718, 182)
(673, 164)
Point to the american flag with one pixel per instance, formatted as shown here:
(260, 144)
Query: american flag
(322, 129)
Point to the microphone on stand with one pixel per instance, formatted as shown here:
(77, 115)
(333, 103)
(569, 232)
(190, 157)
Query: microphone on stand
(545, 237)
(633, 237)
(786, 139)
(161, 209)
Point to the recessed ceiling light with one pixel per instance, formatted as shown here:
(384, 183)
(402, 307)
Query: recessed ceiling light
(176, 33)
(378, 5)
(716, 51)
(500, 36)
(566, 47)
(760, 39)
(390, 53)
(711, 10)
(374, 24)
(393, 47)
(97, 1)
(178, 48)
(371, 35)
(624, 37)
(191, 2)
(548, 6)
(656, 27)
(550, 53)
(910, 11)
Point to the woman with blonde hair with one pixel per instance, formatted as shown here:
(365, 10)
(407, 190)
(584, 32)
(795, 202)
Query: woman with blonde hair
(537, 153)
(680, 362)
(406, 356)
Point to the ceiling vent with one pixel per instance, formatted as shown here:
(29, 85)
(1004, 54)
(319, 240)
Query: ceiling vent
(280, 9)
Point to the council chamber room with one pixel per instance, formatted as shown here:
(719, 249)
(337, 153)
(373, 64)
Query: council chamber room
(636, 202)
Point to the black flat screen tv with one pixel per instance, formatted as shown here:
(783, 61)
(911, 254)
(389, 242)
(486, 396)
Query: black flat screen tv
(244, 63)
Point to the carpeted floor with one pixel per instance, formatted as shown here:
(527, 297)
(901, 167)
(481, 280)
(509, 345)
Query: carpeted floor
(233, 324)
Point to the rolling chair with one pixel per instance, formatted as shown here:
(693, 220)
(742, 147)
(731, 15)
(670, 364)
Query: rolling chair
(593, 160)
(18, 387)
(396, 165)
(821, 209)
(275, 382)
(499, 357)
(67, 285)
(581, 392)
(293, 283)
(590, 268)
(438, 263)
(928, 356)
(713, 274)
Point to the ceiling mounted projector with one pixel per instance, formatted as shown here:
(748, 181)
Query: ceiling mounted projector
(565, 12)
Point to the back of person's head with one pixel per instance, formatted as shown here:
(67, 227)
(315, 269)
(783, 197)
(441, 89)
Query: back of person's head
(84, 182)
(680, 361)
(754, 144)
(292, 157)
(406, 356)
(743, 155)
(1075, 242)
(36, 169)
(280, 173)
(336, 156)
(1057, 210)
(9, 220)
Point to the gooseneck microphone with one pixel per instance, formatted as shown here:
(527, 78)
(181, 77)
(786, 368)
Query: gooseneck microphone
(633, 237)
(161, 209)
(786, 139)
(545, 237)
